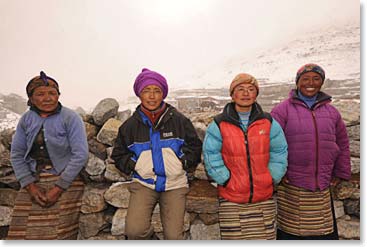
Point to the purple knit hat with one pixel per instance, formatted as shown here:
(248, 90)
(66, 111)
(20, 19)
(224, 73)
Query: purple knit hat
(148, 77)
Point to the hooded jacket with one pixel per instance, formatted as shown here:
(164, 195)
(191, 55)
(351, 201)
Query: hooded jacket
(317, 139)
(158, 155)
(245, 163)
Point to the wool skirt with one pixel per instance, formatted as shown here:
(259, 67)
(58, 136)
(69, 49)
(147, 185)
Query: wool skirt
(250, 221)
(60, 221)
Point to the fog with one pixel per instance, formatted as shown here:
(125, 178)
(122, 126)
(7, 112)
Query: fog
(95, 49)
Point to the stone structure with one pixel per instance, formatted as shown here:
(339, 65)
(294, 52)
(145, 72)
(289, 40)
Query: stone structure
(105, 200)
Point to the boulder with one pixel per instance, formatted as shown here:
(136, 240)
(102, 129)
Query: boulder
(95, 165)
(200, 231)
(202, 198)
(97, 148)
(118, 195)
(7, 197)
(109, 131)
(105, 109)
(123, 115)
(91, 224)
(93, 200)
(119, 222)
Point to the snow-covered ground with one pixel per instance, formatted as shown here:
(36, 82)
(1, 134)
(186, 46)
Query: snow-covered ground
(336, 49)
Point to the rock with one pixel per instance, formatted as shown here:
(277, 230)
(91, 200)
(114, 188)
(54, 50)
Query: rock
(349, 229)
(202, 197)
(105, 109)
(346, 189)
(97, 148)
(7, 197)
(354, 147)
(352, 207)
(200, 172)
(123, 115)
(119, 222)
(88, 118)
(113, 174)
(118, 195)
(209, 219)
(4, 231)
(106, 236)
(5, 171)
(95, 165)
(93, 200)
(355, 163)
(354, 132)
(98, 178)
(200, 129)
(109, 153)
(91, 224)
(6, 137)
(109, 131)
(91, 130)
(339, 209)
(200, 231)
(10, 181)
(5, 215)
(4, 157)
(80, 111)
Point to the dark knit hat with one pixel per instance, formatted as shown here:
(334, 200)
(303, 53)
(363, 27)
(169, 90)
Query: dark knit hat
(148, 77)
(41, 80)
(243, 78)
(310, 67)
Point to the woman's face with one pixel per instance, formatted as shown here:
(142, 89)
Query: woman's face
(151, 97)
(309, 84)
(244, 95)
(45, 98)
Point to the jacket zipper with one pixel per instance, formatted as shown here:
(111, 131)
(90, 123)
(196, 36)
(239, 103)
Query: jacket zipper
(249, 168)
(317, 150)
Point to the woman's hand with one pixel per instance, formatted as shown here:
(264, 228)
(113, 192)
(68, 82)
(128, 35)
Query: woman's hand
(53, 195)
(37, 194)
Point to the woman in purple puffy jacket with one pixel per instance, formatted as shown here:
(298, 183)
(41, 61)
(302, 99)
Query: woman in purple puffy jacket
(318, 157)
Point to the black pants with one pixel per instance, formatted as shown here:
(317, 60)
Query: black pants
(281, 235)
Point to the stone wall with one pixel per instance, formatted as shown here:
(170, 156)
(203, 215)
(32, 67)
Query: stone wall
(106, 197)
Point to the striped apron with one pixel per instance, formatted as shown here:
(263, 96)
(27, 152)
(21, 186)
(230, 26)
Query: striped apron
(304, 213)
(60, 221)
(247, 221)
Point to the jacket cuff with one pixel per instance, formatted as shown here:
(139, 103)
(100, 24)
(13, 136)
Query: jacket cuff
(26, 180)
(226, 182)
(63, 184)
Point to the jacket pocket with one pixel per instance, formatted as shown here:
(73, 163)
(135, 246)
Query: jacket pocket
(144, 165)
(172, 164)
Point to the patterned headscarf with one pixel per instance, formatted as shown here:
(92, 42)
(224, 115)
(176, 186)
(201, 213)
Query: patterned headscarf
(38, 81)
(310, 67)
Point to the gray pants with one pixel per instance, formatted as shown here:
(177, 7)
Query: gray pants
(141, 205)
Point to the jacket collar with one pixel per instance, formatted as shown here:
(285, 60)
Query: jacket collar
(230, 114)
(322, 98)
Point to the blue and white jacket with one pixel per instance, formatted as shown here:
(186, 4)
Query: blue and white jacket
(65, 139)
(158, 156)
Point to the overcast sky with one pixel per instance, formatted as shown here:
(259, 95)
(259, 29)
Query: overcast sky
(95, 49)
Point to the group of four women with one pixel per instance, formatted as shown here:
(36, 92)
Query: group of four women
(299, 149)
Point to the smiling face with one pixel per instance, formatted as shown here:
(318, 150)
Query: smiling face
(45, 98)
(151, 97)
(244, 95)
(309, 84)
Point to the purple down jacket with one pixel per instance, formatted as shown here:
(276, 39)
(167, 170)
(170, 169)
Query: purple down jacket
(318, 144)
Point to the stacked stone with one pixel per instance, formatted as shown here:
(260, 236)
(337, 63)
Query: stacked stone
(106, 197)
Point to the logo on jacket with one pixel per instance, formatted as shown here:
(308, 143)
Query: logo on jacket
(167, 134)
(262, 132)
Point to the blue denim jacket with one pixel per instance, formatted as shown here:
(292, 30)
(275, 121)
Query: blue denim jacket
(66, 142)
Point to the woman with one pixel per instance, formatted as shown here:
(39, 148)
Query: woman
(157, 144)
(318, 157)
(245, 152)
(48, 151)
